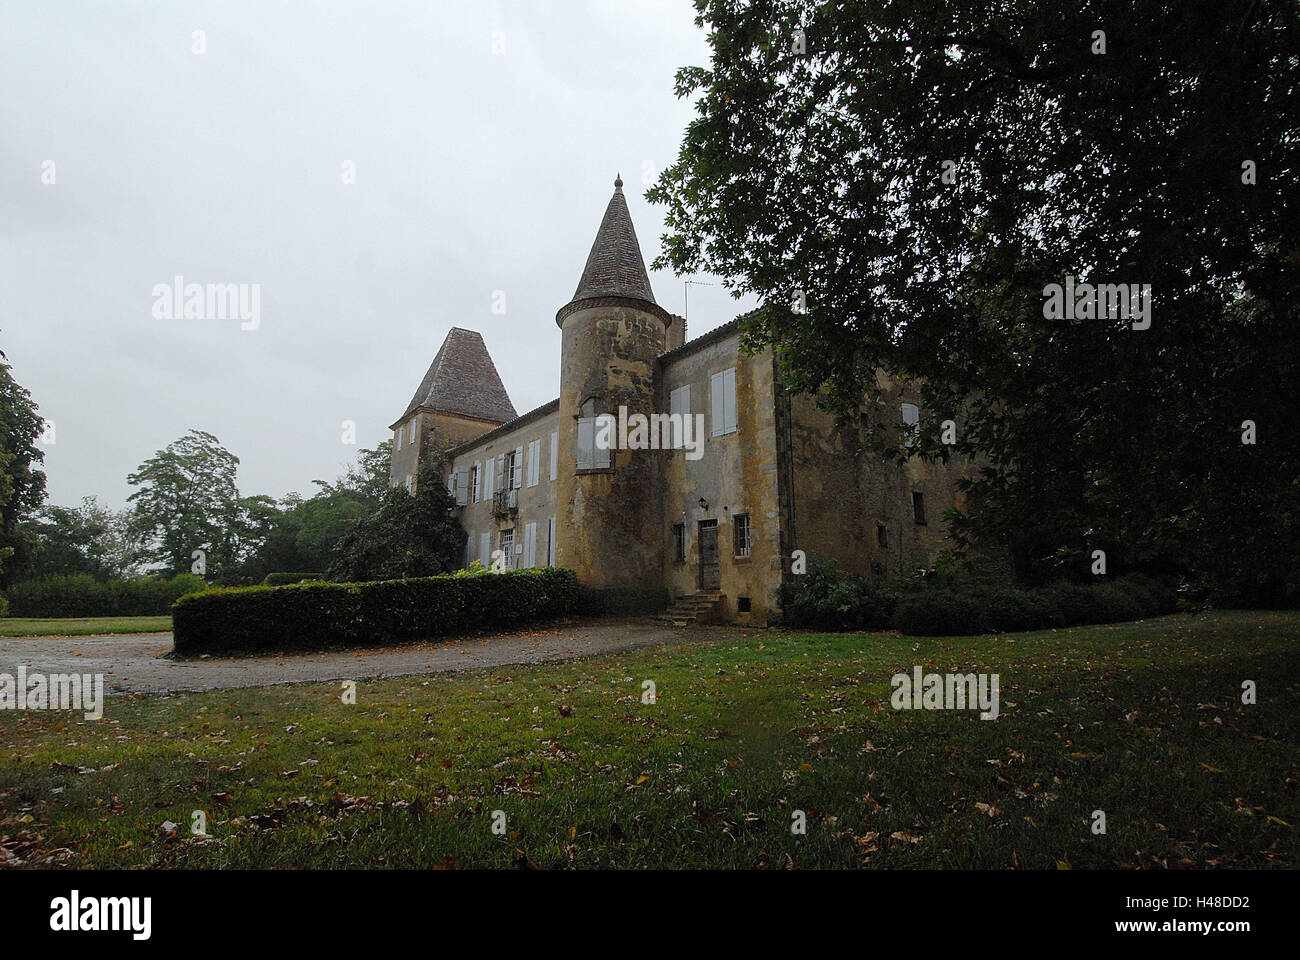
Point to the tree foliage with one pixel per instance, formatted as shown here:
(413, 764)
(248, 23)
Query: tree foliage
(408, 536)
(22, 483)
(923, 171)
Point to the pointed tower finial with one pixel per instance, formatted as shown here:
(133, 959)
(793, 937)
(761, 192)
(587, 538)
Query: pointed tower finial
(618, 181)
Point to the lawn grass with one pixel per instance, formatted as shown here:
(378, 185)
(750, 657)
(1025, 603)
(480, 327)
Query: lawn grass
(1143, 721)
(81, 626)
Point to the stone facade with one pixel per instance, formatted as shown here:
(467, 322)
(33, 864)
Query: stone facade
(774, 473)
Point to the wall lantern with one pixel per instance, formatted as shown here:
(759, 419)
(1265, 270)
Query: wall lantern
(704, 504)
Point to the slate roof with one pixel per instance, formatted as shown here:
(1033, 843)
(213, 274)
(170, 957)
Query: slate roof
(614, 266)
(463, 380)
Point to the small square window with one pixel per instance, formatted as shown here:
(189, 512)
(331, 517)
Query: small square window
(742, 604)
(918, 507)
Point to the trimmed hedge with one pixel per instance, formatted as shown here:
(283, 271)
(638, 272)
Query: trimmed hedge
(314, 616)
(621, 601)
(282, 579)
(81, 595)
(833, 600)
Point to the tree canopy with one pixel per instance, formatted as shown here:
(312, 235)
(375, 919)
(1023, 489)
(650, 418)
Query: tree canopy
(901, 184)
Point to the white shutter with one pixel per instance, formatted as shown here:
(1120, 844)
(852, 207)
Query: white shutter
(602, 454)
(462, 487)
(530, 545)
(410, 432)
(485, 549)
(502, 480)
(517, 474)
(717, 404)
(586, 442)
(679, 401)
(555, 453)
(488, 479)
(729, 401)
(534, 462)
(550, 542)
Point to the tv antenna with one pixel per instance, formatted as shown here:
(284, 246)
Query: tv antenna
(686, 294)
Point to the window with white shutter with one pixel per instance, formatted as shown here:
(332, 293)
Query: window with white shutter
(517, 469)
(722, 400)
(410, 432)
(586, 442)
(399, 438)
(679, 401)
(488, 478)
(474, 480)
(485, 549)
(911, 424)
(462, 487)
(530, 545)
(555, 453)
(534, 461)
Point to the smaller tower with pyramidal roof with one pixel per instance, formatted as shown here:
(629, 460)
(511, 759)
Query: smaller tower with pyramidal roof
(461, 397)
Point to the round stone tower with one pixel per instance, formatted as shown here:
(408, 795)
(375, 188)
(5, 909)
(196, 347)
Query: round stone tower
(608, 502)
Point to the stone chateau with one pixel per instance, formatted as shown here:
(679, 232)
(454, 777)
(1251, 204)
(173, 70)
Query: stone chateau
(711, 529)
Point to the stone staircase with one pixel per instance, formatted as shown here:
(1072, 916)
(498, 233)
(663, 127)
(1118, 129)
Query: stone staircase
(694, 608)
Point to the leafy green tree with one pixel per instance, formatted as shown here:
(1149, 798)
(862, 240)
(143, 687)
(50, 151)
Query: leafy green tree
(22, 484)
(90, 538)
(899, 184)
(409, 536)
(186, 501)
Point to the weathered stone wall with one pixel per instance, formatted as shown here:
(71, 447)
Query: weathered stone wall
(737, 474)
(536, 504)
(439, 430)
(610, 517)
(842, 494)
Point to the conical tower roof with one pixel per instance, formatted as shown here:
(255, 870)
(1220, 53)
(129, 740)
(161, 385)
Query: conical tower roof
(463, 380)
(614, 266)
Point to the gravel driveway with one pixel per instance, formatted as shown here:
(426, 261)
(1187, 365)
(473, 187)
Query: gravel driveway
(136, 663)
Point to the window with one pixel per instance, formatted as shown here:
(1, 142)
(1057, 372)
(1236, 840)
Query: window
(410, 432)
(589, 455)
(742, 605)
(679, 542)
(550, 542)
(517, 468)
(555, 453)
(911, 425)
(530, 546)
(534, 462)
(451, 484)
(507, 549)
(474, 478)
(485, 548)
(918, 507)
(882, 534)
(722, 396)
(740, 529)
(488, 478)
(679, 401)
(410, 482)
(399, 438)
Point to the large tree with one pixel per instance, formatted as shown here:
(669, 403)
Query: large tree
(917, 174)
(22, 483)
(90, 538)
(408, 536)
(187, 501)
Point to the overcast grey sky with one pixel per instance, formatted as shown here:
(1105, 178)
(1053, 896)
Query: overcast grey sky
(484, 136)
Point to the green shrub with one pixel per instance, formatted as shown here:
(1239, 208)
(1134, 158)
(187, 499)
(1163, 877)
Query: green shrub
(932, 613)
(828, 598)
(621, 601)
(81, 595)
(282, 579)
(4, 607)
(314, 616)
